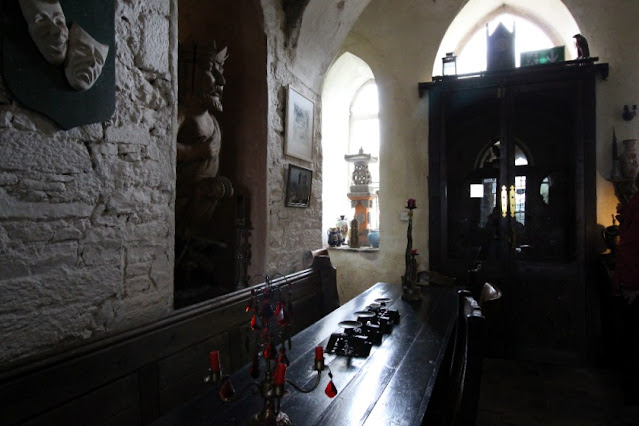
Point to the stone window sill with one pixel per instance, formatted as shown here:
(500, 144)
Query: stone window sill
(351, 249)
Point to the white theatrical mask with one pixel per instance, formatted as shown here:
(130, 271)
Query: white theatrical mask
(47, 28)
(85, 58)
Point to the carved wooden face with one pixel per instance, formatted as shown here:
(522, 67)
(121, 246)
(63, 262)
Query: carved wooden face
(210, 81)
(85, 58)
(47, 27)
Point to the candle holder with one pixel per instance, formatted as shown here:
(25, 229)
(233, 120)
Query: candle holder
(272, 392)
(271, 326)
(272, 389)
(410, 292)
(215, 376)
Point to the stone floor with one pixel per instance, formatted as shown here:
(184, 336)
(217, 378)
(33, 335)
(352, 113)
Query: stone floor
(520, 393)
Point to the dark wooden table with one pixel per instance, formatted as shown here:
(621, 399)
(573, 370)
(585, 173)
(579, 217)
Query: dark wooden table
(392, 386)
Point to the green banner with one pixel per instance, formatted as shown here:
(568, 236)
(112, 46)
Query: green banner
(544, 56)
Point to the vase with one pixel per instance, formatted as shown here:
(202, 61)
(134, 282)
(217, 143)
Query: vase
(628, 159)
(610, 236)
(342, 226)
(373, 238)
(353, 240)
(334, 237)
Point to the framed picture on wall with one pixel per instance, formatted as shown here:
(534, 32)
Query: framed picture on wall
(298, 186)
(299, 126)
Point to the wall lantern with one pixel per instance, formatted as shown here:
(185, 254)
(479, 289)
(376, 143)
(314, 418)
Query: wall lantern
(449, 64)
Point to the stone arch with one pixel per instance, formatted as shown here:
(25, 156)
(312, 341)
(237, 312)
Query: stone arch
(318, 34)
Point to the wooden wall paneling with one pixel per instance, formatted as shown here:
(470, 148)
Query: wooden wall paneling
(118, 399)
(133, 377)
(181, 376)
(305, 312)
(148, 392)
(71, 378)
(239, 356)
(328, 278)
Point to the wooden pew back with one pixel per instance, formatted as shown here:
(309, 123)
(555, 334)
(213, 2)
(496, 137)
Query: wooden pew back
(136, 376)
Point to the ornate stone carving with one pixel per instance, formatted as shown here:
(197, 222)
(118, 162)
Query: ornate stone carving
(361, 194)
(361, 174)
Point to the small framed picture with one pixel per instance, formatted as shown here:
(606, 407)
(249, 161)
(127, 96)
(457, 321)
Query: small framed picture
(298, 186)
(299, 126)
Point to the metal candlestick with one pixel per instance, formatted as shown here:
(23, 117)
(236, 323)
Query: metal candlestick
(272, 395)
(225, 388)
(410, 292)
(272, 328)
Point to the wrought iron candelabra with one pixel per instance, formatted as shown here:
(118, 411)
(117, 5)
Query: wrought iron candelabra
(271, 326)
(410, 291)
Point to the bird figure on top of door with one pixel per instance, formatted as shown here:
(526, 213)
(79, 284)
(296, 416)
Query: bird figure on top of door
(583, 51)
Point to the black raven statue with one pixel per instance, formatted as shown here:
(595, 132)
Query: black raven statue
(583, 51)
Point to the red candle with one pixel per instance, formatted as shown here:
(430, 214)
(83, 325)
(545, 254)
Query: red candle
(411, 204)
(280, 373)
(319, 353)
(214, 358)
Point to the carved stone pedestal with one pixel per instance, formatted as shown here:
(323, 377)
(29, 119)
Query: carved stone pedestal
(362, 193)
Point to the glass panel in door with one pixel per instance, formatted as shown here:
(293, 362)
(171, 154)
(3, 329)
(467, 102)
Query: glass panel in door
(543, 175)
(472, 168)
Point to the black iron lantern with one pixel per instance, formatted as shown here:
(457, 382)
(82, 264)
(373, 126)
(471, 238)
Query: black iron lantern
(449, 64)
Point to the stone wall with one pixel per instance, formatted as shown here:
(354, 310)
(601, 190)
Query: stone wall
(300, 50)
(86, 215)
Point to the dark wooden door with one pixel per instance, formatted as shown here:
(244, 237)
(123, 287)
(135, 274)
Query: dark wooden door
(545, 312)
(512, 162)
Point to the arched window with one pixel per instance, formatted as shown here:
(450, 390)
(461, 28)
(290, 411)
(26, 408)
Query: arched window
(539, 25)
(350, 122)
(364, 135)
(364, 120)
(528, 37)
(489, 159)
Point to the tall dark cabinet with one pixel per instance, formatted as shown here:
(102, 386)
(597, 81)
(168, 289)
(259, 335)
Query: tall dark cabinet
(512, 195)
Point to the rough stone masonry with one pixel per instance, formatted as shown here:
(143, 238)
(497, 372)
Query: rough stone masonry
(86, 215)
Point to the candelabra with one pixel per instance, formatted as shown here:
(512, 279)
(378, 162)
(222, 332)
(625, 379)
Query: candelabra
(410, 291)
(271, 326)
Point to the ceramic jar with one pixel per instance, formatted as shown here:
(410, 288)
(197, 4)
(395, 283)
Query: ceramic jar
(334, 237)
(342, 226)
(628, 162)
(373, 238)
(610, 236)
(353, 240)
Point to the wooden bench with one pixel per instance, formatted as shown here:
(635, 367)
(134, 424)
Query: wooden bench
(456, 393)
(136, 376)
